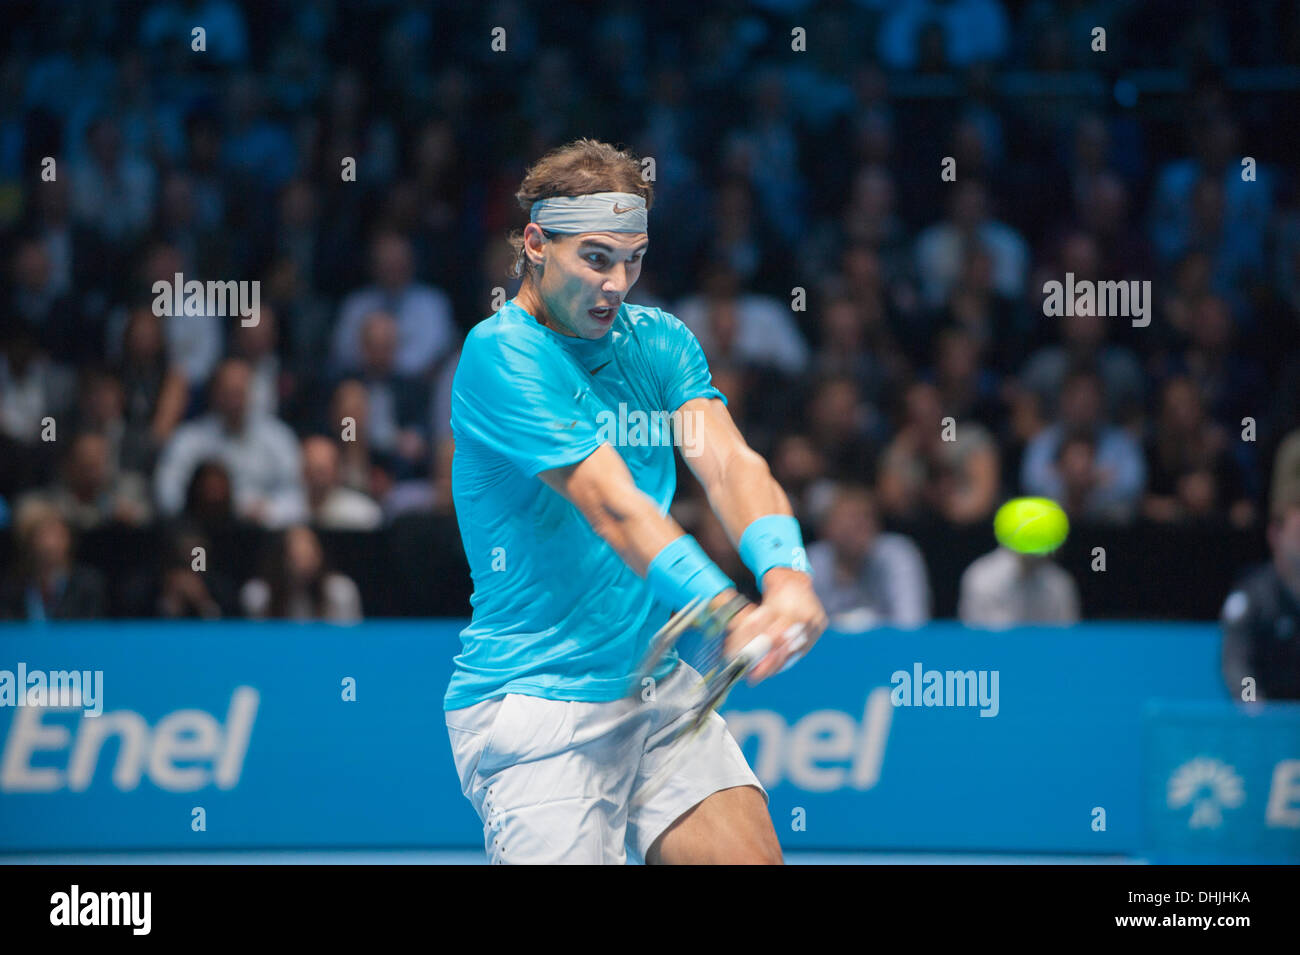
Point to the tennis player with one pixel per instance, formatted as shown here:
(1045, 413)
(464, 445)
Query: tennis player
(575, 562)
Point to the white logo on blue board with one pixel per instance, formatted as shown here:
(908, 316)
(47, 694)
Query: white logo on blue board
(1207, 785)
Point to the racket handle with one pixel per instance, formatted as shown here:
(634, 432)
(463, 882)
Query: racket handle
(761, 646)
(755, 650)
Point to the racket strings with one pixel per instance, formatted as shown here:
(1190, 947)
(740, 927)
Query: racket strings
(699, 639)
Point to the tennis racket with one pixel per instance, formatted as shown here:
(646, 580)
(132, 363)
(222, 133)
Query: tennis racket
(699, 636)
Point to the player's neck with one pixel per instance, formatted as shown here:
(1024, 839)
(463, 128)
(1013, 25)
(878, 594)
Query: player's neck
(531, 302)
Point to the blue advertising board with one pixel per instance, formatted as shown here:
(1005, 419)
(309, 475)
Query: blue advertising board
(1221, 782)
(278, 735)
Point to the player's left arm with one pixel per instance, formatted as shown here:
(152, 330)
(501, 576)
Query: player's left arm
(741, 492)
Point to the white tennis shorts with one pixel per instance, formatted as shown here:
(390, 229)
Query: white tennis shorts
(552, 780)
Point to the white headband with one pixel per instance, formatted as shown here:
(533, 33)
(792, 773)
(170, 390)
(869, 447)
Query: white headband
(595, 212)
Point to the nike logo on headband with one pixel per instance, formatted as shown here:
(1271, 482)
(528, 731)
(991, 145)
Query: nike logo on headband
(619, 210)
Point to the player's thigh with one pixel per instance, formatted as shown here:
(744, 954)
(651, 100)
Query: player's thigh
(680, 773)
(729, 827)
(544, 778)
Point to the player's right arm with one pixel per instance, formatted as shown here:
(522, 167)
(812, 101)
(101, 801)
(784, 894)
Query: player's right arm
(602, 489)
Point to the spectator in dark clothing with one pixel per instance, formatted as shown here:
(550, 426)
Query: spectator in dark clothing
(1230, 383)
(1190, 473)
(398, 403)
(974, 304)
(154, 389)
(968, 389)
(190, 585)
(842, 426)
(40, 305)
(855, 343)
(48, 584)
(210, 498)
(89, 493)
(80, 272)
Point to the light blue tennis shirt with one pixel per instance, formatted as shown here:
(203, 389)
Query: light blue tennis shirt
(557, 614)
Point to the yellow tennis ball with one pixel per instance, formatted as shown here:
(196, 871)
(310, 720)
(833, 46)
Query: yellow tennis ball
(1031, 525)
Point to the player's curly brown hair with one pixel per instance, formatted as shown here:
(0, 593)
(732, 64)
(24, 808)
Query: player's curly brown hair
(578, 168)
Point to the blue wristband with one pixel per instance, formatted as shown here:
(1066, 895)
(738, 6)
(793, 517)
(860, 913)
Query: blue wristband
(682, 572)
(773, 541)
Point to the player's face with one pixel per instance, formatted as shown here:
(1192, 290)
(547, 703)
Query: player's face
(587, 277)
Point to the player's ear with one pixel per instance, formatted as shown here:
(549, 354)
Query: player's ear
(535, 241)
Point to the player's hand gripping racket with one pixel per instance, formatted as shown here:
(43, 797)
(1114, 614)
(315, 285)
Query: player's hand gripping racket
(699, 636)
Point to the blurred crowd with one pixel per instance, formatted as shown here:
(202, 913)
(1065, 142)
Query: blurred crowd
(919, 300)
